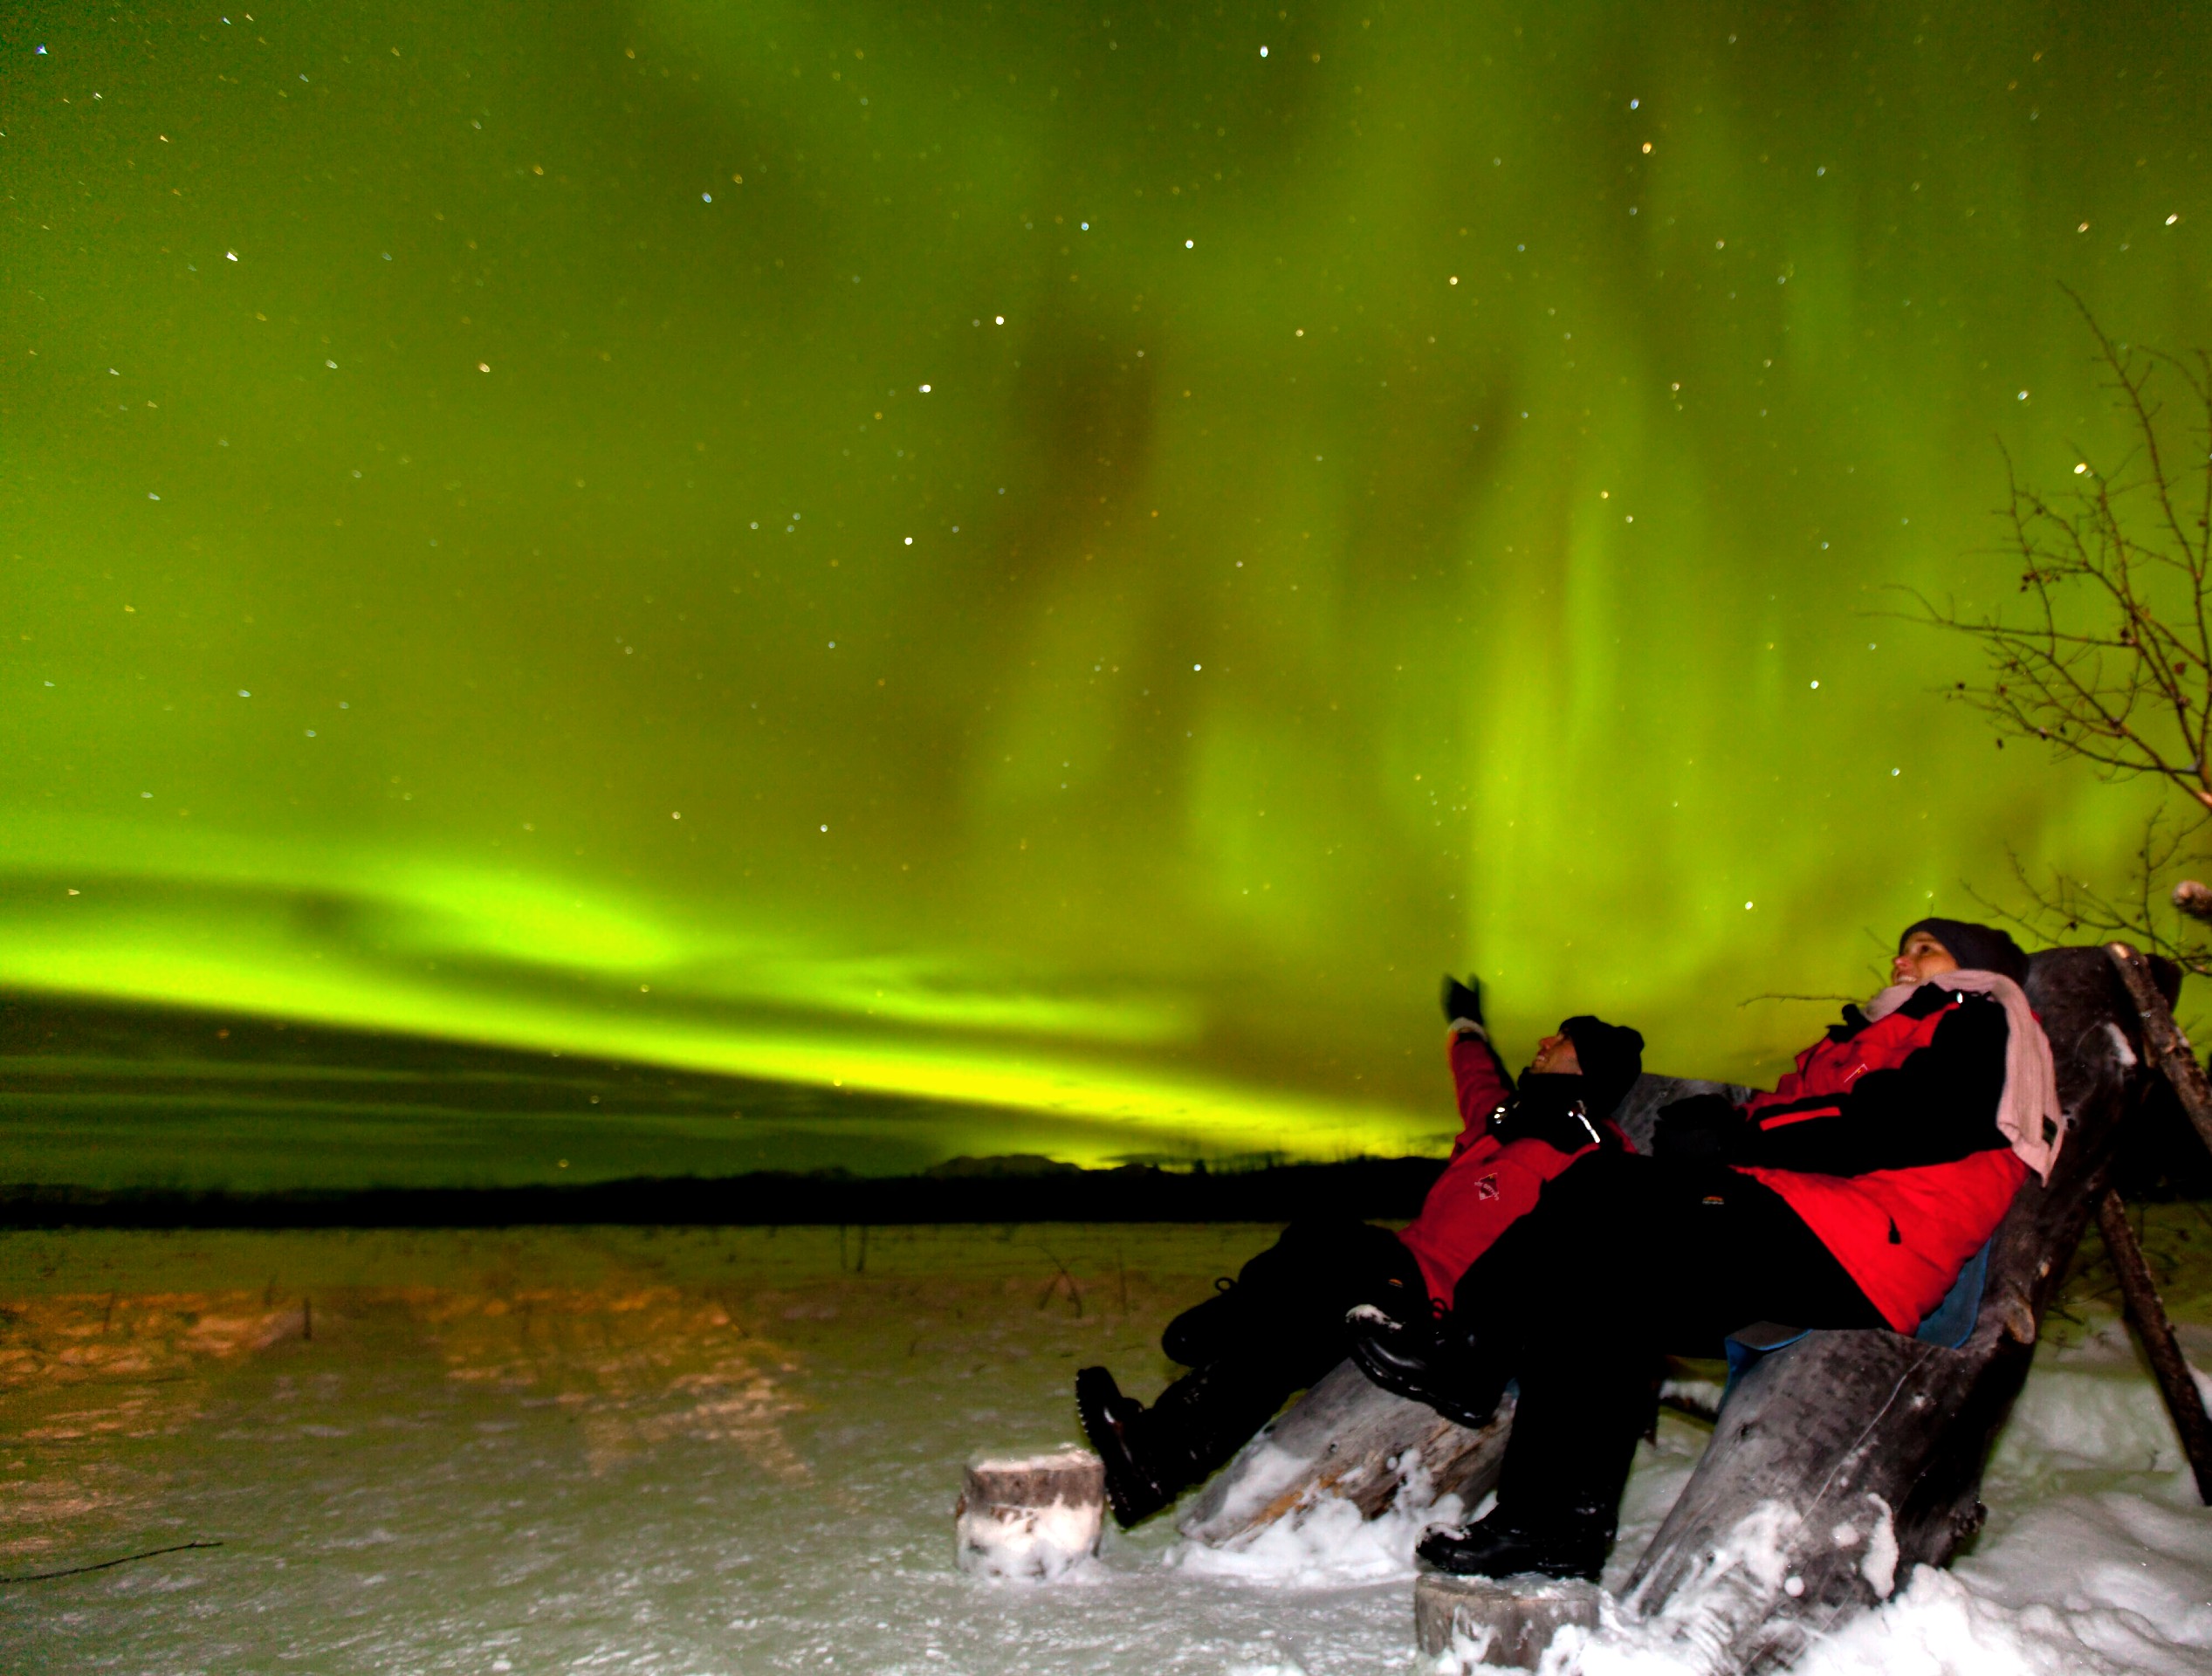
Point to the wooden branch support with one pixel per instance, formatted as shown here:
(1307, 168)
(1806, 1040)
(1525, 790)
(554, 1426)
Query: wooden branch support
(2175, 1382)
(2169, 1052)
(2163, 1043)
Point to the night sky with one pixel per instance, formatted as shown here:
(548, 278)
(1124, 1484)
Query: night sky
(1062, 559)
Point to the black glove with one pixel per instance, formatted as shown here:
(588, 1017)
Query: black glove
(1546, 1109)
(1462, 1001)
(1703, 1126)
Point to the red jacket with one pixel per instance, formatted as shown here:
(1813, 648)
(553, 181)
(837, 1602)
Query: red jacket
(1885, 1141)
(1489, 1184)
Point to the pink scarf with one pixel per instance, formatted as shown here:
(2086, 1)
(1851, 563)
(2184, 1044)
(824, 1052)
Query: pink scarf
(2028, 1109)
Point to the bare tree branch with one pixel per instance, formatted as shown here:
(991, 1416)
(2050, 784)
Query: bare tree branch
(2141, 913)
(2107, 656)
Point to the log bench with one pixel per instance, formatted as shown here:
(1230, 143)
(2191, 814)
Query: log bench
(1836, 1464)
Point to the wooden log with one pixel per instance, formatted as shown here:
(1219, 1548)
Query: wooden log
(2175, 1381)
(1349, 1437)
(2169, 1052)
(1840, 1463)
(1033, 1519)
(1506, 1625)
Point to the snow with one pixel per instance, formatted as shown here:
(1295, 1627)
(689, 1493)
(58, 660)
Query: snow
(1324, 1541)
(721, 1450)
(1028, 1544)
(1271, 1472)
(1879, 1567)
(2096, 1558)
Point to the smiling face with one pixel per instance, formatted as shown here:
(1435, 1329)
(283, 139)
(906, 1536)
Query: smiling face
(1556, 1057)
(1921, 958)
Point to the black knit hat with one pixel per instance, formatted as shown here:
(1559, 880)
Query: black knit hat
(1611, 1056)
(1978, 947)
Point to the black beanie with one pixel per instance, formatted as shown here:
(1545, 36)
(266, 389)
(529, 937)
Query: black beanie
(1978, 947)
(1612, 1057)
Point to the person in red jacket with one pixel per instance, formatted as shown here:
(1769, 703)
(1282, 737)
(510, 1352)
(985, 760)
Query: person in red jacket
(1851, 1197)
(1508, 1148)
(1283, 1323)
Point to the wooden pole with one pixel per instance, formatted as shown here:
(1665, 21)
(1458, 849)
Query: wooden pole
(2169, 1052)
(2167, 1049)
(2175, 1381)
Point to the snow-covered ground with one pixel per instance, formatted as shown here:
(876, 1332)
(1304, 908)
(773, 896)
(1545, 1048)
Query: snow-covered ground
(2097, 1558)
(738, 1451)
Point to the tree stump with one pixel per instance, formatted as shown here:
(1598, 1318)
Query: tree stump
(1035, 1518)
(1506, 1624)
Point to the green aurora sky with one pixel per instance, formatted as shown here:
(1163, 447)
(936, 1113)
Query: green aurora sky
(1065, 559)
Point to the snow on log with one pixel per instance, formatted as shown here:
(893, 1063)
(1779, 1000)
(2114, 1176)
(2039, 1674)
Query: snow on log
(1350, 1439)
(1840, 1463)
(1035, 1518)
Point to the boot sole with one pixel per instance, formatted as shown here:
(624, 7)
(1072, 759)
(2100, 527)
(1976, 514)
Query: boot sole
(1392, 1379)
(1105, 1438)
(1473, 1568)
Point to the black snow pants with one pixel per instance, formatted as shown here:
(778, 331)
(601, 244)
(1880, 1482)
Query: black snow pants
(1626, 1260)
(1282, 1325)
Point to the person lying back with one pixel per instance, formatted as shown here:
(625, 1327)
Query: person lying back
(1892, 1139)
(1512, 1142)
(1283, 1323)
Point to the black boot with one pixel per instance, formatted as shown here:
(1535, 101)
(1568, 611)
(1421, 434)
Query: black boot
(1571, 1543)
(1427, 1360)
(1115, 1425)
(1152, 1455)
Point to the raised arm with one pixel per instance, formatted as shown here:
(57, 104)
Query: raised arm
(1479, 1077)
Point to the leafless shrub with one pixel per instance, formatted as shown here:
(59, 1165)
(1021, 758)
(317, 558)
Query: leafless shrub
(2107, 656)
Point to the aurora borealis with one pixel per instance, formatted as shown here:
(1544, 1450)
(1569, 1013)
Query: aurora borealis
(1065, 559)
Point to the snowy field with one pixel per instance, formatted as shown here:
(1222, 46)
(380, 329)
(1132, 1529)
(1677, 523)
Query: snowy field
(737, 1450)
